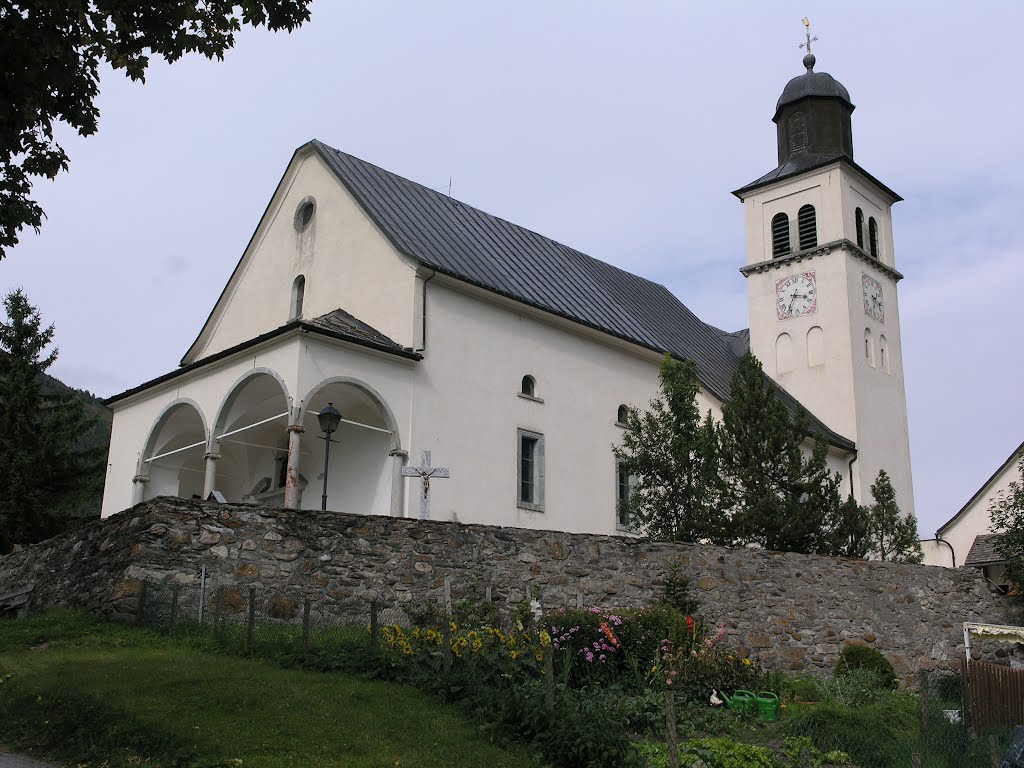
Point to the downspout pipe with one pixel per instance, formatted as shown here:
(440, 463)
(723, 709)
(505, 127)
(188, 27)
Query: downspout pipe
(952, 551)
(423, 340)
(852, 496)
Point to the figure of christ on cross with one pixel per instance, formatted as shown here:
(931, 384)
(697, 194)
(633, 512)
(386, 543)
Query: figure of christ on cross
(424, 472)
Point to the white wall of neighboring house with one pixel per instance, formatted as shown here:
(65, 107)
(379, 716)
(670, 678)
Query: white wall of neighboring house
(973, 518)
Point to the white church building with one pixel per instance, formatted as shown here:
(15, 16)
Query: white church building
(433, 326)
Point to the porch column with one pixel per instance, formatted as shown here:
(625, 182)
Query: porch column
(139, 488)
(210, 481)
(292, 492)
(399, 459)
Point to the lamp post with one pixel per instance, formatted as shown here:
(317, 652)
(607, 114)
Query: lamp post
(330, 418)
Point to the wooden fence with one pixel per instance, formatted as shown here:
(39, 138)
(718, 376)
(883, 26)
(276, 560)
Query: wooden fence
(993, 695)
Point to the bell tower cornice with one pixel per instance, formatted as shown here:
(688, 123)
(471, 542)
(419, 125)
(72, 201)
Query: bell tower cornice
(823, 250)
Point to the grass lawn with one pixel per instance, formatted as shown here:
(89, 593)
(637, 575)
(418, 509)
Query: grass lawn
(109, 695)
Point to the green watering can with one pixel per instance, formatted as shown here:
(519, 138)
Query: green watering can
(741, 701)
(767, 706)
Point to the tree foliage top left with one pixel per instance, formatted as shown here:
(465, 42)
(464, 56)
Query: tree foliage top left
(50, 56)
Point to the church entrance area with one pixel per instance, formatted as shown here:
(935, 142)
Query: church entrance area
(173, 457)
(361, 472)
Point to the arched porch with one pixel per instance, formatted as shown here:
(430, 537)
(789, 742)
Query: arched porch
(171, 463)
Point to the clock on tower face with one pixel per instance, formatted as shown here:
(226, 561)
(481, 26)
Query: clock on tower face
(796, 295)
(873, 305)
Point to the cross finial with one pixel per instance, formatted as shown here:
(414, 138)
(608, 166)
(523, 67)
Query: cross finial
(807, 29)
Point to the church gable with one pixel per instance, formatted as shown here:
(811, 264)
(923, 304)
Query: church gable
(314, 250)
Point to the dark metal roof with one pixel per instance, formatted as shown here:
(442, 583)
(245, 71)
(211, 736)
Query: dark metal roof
(983, 551)
(342, 323)
(813, 84)
(459, 240)
(803, 164)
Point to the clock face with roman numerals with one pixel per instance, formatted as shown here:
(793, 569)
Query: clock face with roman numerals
(796, 295)
(873, 305)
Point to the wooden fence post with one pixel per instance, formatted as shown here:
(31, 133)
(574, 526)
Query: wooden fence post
(993, 747)
(217, 603)
(446, 643)
(448, 595)
(140, 606)
(549, 679)
(305, 624)
(671, 734)
(373, 623)
(487, 594)
(250, 636)
(174, 604)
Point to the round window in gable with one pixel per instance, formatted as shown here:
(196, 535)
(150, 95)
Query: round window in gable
(304, 213)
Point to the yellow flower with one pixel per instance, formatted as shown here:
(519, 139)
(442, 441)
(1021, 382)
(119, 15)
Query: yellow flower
(545, 639)
(747, 662)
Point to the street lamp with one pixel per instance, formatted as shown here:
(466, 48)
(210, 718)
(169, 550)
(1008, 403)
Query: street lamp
(330, 418)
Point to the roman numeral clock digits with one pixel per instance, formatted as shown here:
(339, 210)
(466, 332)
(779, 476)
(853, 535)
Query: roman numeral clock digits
(796, 295)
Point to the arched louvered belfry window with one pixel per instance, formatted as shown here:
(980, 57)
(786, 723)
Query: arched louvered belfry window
(807, 222)
(873, 236)
(859, 217)
(797, 133)
(780, 236)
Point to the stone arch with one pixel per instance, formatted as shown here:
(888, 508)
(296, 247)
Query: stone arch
(249, 438)
(364, 469)
(171, 461)
(388, 415)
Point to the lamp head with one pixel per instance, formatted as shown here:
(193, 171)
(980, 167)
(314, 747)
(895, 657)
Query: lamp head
(330, 418)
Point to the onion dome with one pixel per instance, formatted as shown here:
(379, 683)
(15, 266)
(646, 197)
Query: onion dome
(813, 116)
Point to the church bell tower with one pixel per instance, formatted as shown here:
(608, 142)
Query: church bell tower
(822, 281)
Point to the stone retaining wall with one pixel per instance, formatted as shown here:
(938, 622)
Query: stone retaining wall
(787, 610)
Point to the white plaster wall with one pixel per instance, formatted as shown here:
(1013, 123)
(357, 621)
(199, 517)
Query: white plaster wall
(346, 261)
(973, 520)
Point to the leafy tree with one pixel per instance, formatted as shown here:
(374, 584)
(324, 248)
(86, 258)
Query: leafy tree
(1007, 510)
(673, 454)
(891, 536)
(50, 55)
(781, 497)
(39, 434)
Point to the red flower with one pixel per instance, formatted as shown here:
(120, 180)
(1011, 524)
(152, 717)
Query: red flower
(690, 623)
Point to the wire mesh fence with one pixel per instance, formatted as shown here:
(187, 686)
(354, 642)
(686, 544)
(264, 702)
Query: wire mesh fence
(260, 620)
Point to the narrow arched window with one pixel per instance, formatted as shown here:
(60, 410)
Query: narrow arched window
(859, 216)
(780, 236)
(783, 353)
(797, 133)
(807, 223)
(529, 387)
(869, 347)
(883, 354)
(622, 414)
(298, 294)
(815, 346)
(873, 236)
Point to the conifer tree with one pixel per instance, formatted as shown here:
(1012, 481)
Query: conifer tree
(1007, 510)
(38, 433)
(891, 536)
(847, 531)
(672, 453)
(781, 497)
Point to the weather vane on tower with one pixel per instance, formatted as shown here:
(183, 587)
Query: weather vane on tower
(807, 26)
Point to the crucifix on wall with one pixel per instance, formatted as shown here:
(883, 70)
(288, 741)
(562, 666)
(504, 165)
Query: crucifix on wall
(424, 472)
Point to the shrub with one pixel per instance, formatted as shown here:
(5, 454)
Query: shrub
(855, 688)
(712, 753)
(878, 735)
(854, 657)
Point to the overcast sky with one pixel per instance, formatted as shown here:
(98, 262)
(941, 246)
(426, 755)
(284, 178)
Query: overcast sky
(619, 128)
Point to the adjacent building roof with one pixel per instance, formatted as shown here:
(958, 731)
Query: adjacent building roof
(983, 551)
(1011, 459)
(472, 246)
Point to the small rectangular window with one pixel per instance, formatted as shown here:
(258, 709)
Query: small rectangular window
(530, 475)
